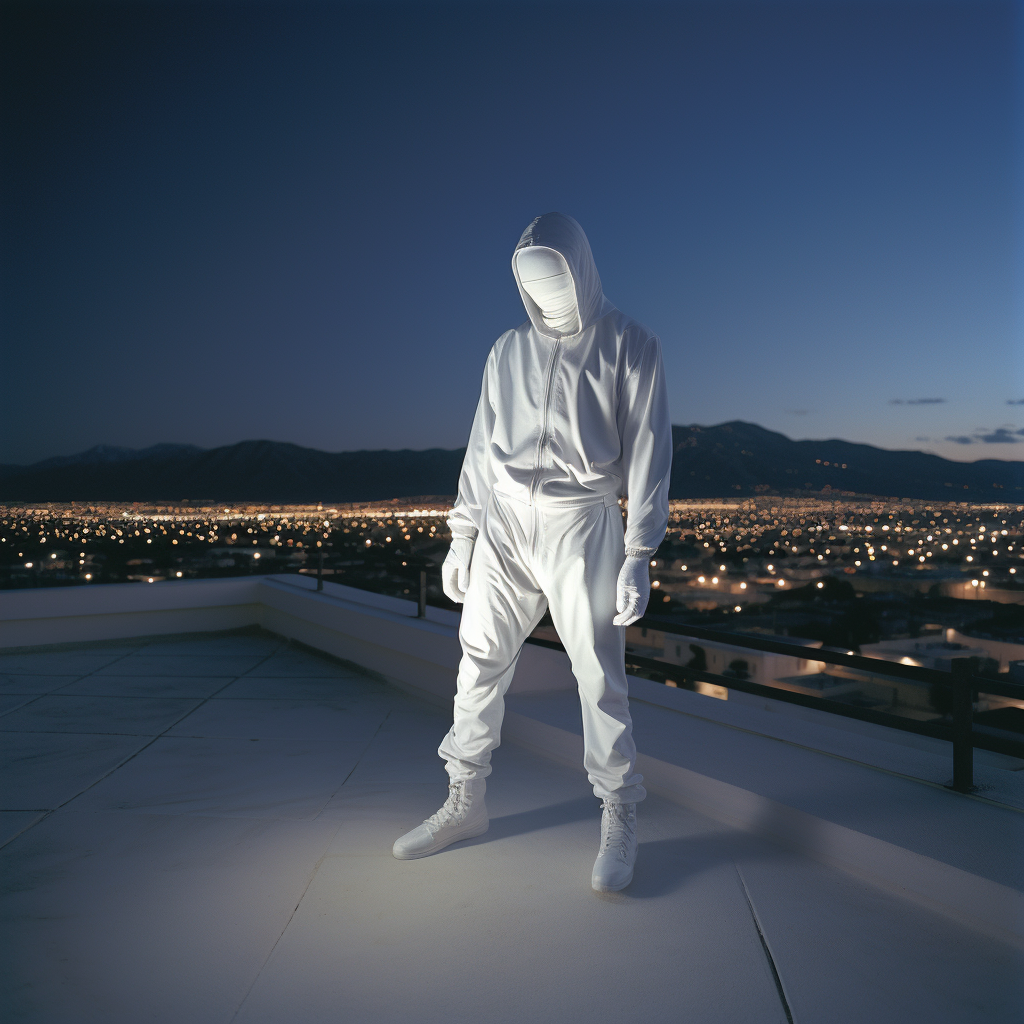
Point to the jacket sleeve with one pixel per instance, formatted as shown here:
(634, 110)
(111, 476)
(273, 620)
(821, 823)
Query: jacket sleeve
(465, 520)
(645, 430)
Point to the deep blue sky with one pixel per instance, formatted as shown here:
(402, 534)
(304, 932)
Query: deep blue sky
(294, 221)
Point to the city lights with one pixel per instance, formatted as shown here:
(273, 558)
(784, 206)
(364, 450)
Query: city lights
(713, 550)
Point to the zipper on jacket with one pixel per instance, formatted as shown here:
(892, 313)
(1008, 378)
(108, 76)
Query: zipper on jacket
(539, 460)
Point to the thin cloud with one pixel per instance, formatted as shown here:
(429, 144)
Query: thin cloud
(1000, 436)
(1015, 401)
(917, 401)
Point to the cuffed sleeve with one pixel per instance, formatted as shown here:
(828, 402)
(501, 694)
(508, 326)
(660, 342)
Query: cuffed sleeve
(646, 433)
(465, 520)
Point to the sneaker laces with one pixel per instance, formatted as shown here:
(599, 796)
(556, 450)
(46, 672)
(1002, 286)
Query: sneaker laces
(453, 809)
(618, 829)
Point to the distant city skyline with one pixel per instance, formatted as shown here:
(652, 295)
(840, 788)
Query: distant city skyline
(295, 221)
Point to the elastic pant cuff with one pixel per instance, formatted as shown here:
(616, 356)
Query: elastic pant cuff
(626, 795)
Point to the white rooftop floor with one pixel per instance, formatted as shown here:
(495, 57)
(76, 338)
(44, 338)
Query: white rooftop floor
(202, 831)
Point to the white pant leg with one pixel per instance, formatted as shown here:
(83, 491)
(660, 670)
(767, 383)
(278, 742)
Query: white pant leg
(503, 605)
(580, 556)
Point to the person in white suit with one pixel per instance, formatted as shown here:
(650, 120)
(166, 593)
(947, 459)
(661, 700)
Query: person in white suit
(573, 414)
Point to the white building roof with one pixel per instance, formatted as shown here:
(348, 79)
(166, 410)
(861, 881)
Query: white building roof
(199, 829)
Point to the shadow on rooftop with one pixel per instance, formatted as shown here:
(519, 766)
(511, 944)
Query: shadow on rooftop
(664, 866)
(538, 819)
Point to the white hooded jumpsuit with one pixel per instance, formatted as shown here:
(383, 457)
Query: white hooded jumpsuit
(566, 424)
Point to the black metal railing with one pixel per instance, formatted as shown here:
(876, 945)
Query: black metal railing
(956, 725)
(961, 685)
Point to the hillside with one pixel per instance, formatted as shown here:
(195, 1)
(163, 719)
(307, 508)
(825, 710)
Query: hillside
(733, 459)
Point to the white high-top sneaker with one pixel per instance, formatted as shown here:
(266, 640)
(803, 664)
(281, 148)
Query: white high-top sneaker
(463, 815)
(613, 869)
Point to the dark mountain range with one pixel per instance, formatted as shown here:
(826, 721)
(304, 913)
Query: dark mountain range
(251, 471)
(733, 459)
(104, 453)
(744, 459)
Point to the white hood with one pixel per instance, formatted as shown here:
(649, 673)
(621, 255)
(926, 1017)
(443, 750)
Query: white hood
(561, 233)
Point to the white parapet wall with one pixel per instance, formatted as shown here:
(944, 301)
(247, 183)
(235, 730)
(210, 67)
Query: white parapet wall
(115, 611)
(383, 634)
(375, 631)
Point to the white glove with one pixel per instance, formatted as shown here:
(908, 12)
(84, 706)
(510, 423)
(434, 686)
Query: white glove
(455, 570)
(633, 590)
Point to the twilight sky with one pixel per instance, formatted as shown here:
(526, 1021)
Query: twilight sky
(225, 221)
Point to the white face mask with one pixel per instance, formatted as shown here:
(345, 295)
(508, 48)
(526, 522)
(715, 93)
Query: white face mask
(545, 277)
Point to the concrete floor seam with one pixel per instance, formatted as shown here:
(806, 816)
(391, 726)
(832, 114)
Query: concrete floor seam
(767, 950)
(369, 743)
(291, 917)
